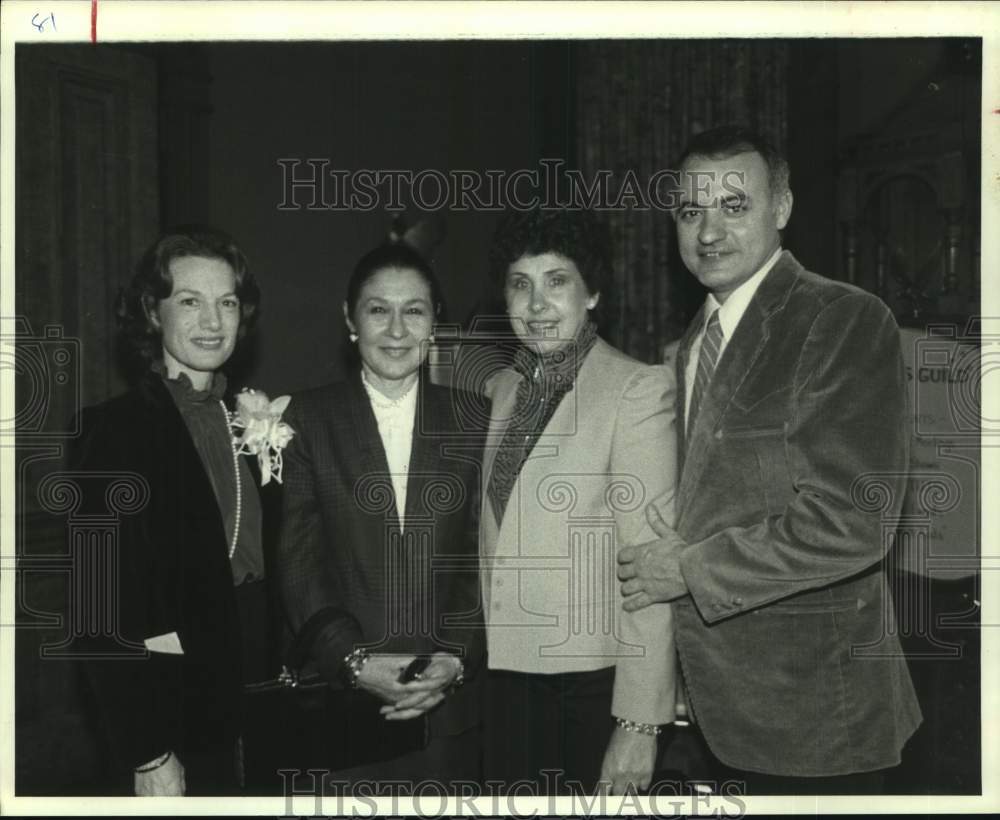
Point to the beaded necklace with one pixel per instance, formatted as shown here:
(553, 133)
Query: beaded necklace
(380, 400)
(239, 488)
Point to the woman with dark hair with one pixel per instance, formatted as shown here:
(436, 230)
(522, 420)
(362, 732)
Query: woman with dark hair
(191, 621)
(377, 555)
(581, 440)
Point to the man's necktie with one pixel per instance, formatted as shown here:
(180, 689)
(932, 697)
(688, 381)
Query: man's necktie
(711, 343)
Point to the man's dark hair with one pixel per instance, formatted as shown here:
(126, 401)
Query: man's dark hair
(728, 140)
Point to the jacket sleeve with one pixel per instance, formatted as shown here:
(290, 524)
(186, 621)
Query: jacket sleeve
(645, 449)
(463, 608)
(322, 628)
(135, 691)
(847, 425)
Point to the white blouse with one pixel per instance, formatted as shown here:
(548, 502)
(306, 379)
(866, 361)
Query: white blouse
(395, 427)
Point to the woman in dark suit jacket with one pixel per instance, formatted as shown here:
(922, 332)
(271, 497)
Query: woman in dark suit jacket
(377, 556)
(189, 561)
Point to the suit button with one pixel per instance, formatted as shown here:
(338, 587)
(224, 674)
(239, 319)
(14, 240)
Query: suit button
(718, 434)
(717, 607)
(737, 601)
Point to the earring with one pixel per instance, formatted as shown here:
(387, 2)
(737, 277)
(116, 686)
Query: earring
(354, 337)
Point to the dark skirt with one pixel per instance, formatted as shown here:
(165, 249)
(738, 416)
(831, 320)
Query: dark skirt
(548, 730)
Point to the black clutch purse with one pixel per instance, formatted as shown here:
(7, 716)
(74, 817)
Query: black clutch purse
(297, 722)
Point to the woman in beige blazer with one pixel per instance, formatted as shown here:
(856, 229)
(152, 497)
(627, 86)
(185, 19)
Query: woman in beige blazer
(581, 440)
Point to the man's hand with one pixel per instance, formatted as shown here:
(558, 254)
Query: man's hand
(629, 758)
(651, 572)
(434, 682)
(164, 781)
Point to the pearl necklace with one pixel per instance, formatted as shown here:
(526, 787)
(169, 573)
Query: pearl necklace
(380, 400)
(239, 488)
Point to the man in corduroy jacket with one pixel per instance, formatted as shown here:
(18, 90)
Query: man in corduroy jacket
(794, 454)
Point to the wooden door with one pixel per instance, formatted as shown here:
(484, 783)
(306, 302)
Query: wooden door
(87, 203)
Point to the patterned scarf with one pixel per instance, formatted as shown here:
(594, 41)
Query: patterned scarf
(545, 379)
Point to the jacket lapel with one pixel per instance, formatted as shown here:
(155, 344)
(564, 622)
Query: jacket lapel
(561, 425)
(503, 395)
(364, 431)
(425, 458)
(179, 457)
(741, 353)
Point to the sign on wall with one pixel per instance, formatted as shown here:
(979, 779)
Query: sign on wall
(940, 530)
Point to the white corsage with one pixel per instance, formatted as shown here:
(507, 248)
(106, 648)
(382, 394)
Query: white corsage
(259, 431)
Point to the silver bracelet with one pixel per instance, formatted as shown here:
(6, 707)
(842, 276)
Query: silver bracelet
(354, 663)
(153, 765)
(639, 728)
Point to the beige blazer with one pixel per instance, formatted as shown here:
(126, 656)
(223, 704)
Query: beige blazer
(550, 591)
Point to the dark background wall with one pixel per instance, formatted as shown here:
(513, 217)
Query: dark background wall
(226, 114)
(843, 91)
(447, 106)
(362, 106)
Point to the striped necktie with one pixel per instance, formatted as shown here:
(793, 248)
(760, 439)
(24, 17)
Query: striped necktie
(708, 357)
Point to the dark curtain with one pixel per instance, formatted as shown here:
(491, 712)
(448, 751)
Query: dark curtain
(637, 104)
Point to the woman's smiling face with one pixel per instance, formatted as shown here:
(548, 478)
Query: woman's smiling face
(547, 300)
(393, 318)
(200, 319)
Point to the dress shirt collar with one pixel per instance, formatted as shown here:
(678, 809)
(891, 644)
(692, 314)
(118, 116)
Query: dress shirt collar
(732, 310)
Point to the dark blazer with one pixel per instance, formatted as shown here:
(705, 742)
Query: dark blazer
(345, 569)
(787, 642)
(173, 576)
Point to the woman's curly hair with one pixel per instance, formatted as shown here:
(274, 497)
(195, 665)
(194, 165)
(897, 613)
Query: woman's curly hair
(140, 340)
(576, 234)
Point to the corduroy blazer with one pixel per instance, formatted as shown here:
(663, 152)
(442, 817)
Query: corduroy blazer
(549, 568)
(793, 475)
(342, 559)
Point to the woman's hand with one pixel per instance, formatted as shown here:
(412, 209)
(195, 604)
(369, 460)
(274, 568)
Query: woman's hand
(629, 758)
(163, 781)
(435, 679)
(380, 676)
